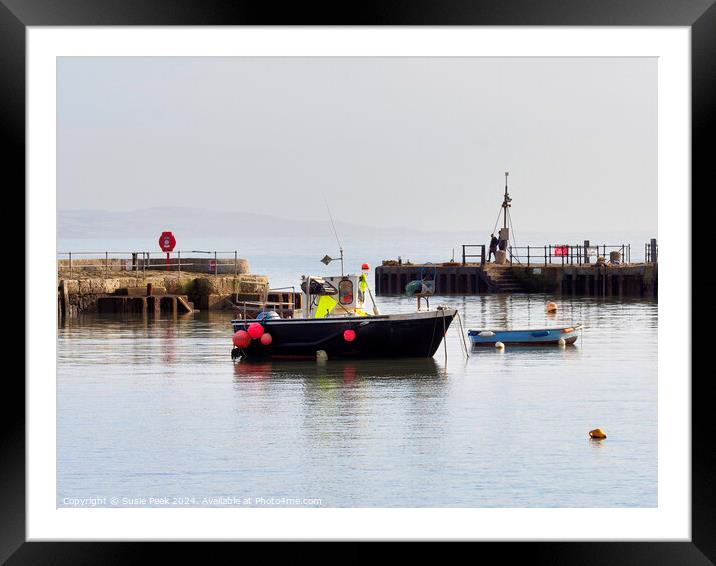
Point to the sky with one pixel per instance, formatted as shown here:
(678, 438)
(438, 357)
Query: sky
(419, 142)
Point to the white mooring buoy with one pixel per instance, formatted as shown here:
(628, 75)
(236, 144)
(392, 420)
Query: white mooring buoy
(499, 345)
(561, 342)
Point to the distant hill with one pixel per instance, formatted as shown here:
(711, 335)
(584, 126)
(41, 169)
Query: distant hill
(196, 222)
(202, 224)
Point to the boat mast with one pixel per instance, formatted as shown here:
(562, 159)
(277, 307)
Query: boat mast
(505, 202)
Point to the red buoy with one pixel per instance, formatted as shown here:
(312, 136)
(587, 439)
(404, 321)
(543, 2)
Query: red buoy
(365, 267)
(349, 335)
(266, 339)
(241, 339)
(255, 330)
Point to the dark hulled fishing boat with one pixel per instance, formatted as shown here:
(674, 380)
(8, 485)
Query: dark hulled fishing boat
(334, 324)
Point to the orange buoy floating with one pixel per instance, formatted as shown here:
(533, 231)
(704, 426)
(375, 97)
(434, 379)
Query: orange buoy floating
(551, 307)
(597, 434)
(241, 339)
(256, 330)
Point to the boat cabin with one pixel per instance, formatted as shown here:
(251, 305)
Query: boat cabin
(336, 296)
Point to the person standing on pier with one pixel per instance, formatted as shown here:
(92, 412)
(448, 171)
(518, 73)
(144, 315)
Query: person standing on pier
(493, 248)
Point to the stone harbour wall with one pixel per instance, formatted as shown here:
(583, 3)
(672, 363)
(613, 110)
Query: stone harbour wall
(206, 291)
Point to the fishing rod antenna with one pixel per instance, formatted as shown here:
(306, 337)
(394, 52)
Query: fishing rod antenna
(335, 232)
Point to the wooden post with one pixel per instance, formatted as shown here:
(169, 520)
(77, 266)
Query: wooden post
(65, 299)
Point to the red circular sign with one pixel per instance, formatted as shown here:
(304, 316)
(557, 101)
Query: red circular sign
(167, 241)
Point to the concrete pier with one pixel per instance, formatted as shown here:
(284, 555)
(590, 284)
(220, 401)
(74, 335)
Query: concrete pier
(596, 280)
(171, 292)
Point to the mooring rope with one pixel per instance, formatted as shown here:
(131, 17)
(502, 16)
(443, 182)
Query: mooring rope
(444, 335)
(462, 333)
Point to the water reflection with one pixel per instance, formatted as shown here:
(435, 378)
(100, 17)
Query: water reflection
(339, 371)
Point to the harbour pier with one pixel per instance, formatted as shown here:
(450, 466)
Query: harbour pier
(572, 272)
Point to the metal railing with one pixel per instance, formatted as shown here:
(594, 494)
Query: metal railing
(481, 255)
(565, 254)
(651, 252)
(144, 261)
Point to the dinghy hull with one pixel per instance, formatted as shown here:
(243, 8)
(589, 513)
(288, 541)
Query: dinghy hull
(529, 337)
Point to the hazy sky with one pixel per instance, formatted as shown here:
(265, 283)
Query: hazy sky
(409, 141)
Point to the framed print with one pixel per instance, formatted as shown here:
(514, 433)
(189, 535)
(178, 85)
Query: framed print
(208, 377)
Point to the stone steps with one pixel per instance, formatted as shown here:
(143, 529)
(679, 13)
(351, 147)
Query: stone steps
(502, 280)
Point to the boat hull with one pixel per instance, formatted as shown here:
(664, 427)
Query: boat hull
(530, 337)
(415, 335)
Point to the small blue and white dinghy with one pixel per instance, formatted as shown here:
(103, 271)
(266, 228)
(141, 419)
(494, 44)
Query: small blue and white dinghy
(529, 337)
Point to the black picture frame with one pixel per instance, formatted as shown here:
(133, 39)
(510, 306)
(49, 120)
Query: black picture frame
(699, 15)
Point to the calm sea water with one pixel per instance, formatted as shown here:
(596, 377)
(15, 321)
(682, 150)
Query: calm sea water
(155, 408)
